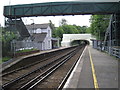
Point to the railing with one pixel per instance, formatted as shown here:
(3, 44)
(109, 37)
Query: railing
(115, 52)
(106, 49)
(21, 45)
(111, 50)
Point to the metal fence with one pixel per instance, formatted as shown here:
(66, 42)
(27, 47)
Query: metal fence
(21, 45)
(111, 51)
(115, 52)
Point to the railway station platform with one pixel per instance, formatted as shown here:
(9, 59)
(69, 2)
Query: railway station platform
(12, 61)
(95, 69)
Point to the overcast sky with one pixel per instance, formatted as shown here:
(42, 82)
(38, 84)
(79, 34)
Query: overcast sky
(77, 19)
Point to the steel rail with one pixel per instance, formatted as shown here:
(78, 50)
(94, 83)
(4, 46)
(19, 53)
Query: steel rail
(31, 84)
(60, 87)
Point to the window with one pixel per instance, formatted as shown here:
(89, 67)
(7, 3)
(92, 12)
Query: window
(49, 33)
(48, 44)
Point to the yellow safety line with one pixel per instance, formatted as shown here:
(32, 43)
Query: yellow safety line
(93, 72)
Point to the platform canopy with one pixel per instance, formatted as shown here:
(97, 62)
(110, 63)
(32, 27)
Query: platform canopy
(61, 8)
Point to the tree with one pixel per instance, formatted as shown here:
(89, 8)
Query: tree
(69, 29)
(63, 22)
(99, 24)
(59, 32)
(81, 29)
(7, 37)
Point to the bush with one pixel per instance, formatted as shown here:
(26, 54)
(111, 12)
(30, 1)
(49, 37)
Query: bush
(7, 37)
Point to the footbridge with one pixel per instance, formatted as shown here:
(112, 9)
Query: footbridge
(76, 39)
(61, 8)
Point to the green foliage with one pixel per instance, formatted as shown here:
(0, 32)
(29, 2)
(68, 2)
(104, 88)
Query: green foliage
(7, 37)
(0, 34)
(88, 30)
(64, 29)
(5, 59)
(82, 29)
(69, 29)
(59, 32)
(99, 24)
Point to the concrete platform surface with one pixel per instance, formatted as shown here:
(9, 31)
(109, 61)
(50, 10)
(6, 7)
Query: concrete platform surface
(95, 69)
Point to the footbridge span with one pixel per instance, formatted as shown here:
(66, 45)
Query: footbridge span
(72, 39)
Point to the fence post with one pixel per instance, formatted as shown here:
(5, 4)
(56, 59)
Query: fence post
(110, 50)
(119, 53)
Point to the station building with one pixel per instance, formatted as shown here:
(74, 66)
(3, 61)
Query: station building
(40, 35)
(40, 38)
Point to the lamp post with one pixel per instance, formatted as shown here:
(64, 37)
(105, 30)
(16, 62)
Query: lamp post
(9, 2)
(32, 32)
(33, 25)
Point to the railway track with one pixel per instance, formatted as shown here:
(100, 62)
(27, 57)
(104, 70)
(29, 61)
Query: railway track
(60, 76)
(30, 61)
(33, 78)
(31, 67)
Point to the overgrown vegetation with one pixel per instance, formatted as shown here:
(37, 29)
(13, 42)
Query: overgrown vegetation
(7, 37)
(5, 59)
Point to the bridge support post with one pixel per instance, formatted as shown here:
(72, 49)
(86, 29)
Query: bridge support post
(113, 33)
